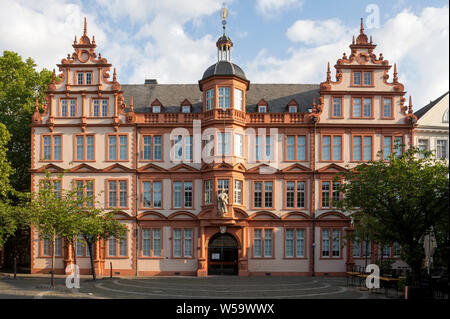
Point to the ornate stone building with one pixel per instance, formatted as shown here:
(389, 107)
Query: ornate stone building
(160, 154)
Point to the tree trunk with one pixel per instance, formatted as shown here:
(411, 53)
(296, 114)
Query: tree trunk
(89, 243)
(74, 248)
(52, 278)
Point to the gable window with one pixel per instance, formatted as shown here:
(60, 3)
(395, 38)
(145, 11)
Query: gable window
(331, 243)
(238, 99)
(85, 192)
(117, 193)
(262, 108)
(263, 194)
(263, 243)
(362, 148)
(84, 78)
(151, 242)
(117, 247)
(151, 194)
(209, 99)
(51, 147)
(294, 243)
(182, 243)
(68, 108)
(224, 97)
(296, 148)
(84, 147)
(361, 111)
(183, 148)
(100, 108)
(295, 194)
(362, 78)
(182, 194)
(331, 149)
(152, 147)
(156, 109)
(336, 107)
(445, 119)
(117, 147)
(387, 108)
(441, 149)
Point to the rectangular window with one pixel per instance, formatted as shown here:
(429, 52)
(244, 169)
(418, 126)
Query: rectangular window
(183, 148)
(387, 107)
(398, 141)
(362, 148)
(366, 248)
(289, 243)
(238, 192)
(100, 108)
(367, 108)
(295, 194)
(387, 147)
(85, 192)
(357, 248)
(88, 78)
(269, 148)
(325, 243)
(268, 194)
(146, 243)
(183, 194)
(258, 148)
(263, 242)
(423, 146)
(80, 78)
(47, 247)
(295, 243)
(223, 147)
(337, 107)
(387, 251)
(238, 145)
(84, 147)
(296, 148)
(336, 194)
(290, 148)
(441, 149)
(209, 99)
(117, 193)
(357, 141)
(185, 109)
(68, 108)
(151, 194)
(182, 242)
(73, 108)
(336, 243)
(238, 99)
(257, 194)
(331, 246)
(331, 149)
(356, 109)
(52, 147)
(262, 108)
(290, 194)
(156, 108)
(223, 184)
(117, 247)
(224, 97)
(208, 192)
(397, 250)
(117, 147)
(325, 194)
(81, 248)
(292, 108)
(367, 148)
(356, 78)
(96, 108)
(367, 78)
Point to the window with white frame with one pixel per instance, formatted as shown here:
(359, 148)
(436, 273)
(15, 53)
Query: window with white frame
(423, 146)
(156, 109)
(238, 192)
(441, 149)
(224, 97)
(223, 144)
(262, 108)
(209, 99)
(238, 99)
(185, 109)
(238, 145)
(292, 108)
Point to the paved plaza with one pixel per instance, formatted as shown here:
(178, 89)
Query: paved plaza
(217, 287)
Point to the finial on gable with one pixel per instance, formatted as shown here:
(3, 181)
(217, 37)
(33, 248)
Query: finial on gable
(361, 30)
(395, 73)
(85, 27)
(131, 104)
(328, 73)
(410, 110)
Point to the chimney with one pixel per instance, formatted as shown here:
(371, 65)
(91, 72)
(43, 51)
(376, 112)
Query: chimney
(151, 81)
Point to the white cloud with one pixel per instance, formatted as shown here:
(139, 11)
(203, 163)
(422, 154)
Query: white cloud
(270, 8)
(417, 43)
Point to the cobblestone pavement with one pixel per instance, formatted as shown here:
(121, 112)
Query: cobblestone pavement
(33, 286)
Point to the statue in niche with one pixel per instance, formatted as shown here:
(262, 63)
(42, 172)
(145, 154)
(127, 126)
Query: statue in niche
(222, 201)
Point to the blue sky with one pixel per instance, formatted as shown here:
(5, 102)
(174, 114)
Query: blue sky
(275, 41)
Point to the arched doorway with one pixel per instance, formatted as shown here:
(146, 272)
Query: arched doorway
(222, 255)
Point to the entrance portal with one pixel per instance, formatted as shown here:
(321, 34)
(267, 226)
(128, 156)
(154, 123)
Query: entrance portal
(222, 255)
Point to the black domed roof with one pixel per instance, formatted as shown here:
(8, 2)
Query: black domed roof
(224, 68)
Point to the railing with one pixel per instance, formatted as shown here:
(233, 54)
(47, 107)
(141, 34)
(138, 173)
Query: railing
(219, 114)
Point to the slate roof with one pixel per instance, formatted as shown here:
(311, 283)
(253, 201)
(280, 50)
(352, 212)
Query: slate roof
(224, 68)
(429, 106)
(171, 95)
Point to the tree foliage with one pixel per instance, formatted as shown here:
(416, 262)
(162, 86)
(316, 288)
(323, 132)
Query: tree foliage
(400, 200)
(20, 84)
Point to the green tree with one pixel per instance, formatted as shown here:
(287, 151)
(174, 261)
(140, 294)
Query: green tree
(403, 198)
(53, 211)
(20, 84)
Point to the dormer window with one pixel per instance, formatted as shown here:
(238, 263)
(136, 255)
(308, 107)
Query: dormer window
(156, 109)
(224, 97)
(262, 108)
(445, 119)
(238, 99)
(185, 109)
(292, 108)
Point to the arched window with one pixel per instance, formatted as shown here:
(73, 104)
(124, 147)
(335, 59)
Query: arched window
(445, 119)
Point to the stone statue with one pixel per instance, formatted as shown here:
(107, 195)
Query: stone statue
(222, 201)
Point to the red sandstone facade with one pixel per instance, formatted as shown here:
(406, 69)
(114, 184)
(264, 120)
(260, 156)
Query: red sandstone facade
(280, 218)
